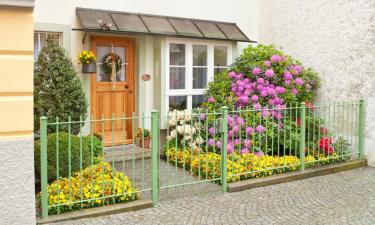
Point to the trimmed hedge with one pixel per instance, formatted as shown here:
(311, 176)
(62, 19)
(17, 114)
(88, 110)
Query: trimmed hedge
(63, 154)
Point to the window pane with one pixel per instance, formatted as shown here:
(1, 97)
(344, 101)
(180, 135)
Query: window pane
(158, 24)
(199, 78)
(177, 102)
(200, 55)
(220, 56)
(129, 22)
(198, 100)
(176, 78)
(104, 73)
(219, 70)
(177, 54)
(210, 30)
(185, 27)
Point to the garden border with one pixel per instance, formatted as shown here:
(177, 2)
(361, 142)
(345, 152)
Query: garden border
(99, 211)
(296, 175)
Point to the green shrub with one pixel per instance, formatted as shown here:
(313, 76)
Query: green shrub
(57, 88)
(63, 154)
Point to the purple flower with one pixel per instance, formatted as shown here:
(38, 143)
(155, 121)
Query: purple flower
(230, 119)
(260, 129)
(269, 73)
(267, 63)
(259, 153)
(287, 82)
(270, 91)
(237, 141)
(254, 98)
(202, 116)
(260, 80)
(211, 100)
(298, 81)
(276, 58)
(256, 71)
(235, 129)
(230, 134)
(249, 130)
(265, 113)
(230, 148)
(263, 93)
(211, 130)
(244, 151)
(287, 75)
(247, 143)
(240, 121)
(211, 142)
(232, 74)
(218, 144)
(280, 90)
(257, 106)
(294, 91)
(298, 69)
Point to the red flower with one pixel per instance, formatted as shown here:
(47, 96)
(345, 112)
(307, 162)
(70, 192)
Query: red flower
(326, 145)
(298, 122)
(310, 105)
(323, 130)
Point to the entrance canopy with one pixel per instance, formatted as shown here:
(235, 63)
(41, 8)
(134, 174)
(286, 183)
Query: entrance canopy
(95, 20)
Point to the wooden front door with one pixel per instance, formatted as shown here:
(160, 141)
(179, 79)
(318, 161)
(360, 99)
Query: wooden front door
(111, 98)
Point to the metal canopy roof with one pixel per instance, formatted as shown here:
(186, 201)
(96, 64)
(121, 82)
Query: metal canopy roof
(131, 23)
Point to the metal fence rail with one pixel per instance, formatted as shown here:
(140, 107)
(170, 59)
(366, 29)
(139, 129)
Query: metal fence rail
(195, 147)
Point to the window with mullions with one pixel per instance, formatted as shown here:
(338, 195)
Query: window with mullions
(40, 41)
(191, 66)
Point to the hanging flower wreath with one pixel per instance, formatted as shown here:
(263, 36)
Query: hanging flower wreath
(107, 62)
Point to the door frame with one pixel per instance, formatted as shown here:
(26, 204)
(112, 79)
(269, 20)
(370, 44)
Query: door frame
(105, 40)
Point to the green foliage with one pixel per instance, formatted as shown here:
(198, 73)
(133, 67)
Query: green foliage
(57, 88)
(88, 144)
(251, 57)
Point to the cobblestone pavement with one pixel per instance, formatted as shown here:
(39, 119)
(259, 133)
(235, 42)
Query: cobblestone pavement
(342, 198)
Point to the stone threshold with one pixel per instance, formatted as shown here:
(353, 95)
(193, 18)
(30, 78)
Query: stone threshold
(296, 175)
(98, 211)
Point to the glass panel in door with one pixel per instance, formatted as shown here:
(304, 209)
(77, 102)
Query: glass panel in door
(105, 56)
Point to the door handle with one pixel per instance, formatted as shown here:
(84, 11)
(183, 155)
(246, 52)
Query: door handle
(126, 86)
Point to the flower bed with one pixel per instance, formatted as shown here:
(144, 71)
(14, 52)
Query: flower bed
(91, 189)
(242, 166)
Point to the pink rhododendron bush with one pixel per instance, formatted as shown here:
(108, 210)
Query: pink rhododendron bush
(264, 89)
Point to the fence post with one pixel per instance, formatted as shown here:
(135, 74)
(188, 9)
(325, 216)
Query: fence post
(302, 136)
(224, 142)
(43, 166)
(155, 156)
(361, 129)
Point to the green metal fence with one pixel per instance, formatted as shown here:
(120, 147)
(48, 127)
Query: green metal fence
(188, 148)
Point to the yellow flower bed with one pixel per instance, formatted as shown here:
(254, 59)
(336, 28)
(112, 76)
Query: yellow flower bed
(239, 167)
(95, 187)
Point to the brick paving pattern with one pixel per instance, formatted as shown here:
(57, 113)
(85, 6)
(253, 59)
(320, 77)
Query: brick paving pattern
(342, 198)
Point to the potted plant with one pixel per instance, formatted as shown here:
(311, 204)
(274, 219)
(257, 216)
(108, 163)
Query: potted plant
(88, 59)
(145, 133)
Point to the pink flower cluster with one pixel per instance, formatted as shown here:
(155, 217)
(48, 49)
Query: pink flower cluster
(264, 89)
(236, 126)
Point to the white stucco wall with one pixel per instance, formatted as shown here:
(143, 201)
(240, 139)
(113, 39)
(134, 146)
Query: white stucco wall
(337, 39)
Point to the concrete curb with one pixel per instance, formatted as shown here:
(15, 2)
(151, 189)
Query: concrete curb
(99, 211)
(297, 175)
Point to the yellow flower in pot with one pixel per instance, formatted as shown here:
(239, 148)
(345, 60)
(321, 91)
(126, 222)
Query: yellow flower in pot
(88, 59)
(143, 137)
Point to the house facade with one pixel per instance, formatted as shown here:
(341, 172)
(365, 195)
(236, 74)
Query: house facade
(309, 31)
(167, 56)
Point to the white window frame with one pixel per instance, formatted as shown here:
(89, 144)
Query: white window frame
(40, 33)
(189, 91)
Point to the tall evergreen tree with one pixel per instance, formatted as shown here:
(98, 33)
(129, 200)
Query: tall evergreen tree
(57, 88)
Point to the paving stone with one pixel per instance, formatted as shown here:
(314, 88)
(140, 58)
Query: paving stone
(343, 198)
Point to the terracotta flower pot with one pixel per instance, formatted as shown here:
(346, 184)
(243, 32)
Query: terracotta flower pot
(146, 142)
(89, 68)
